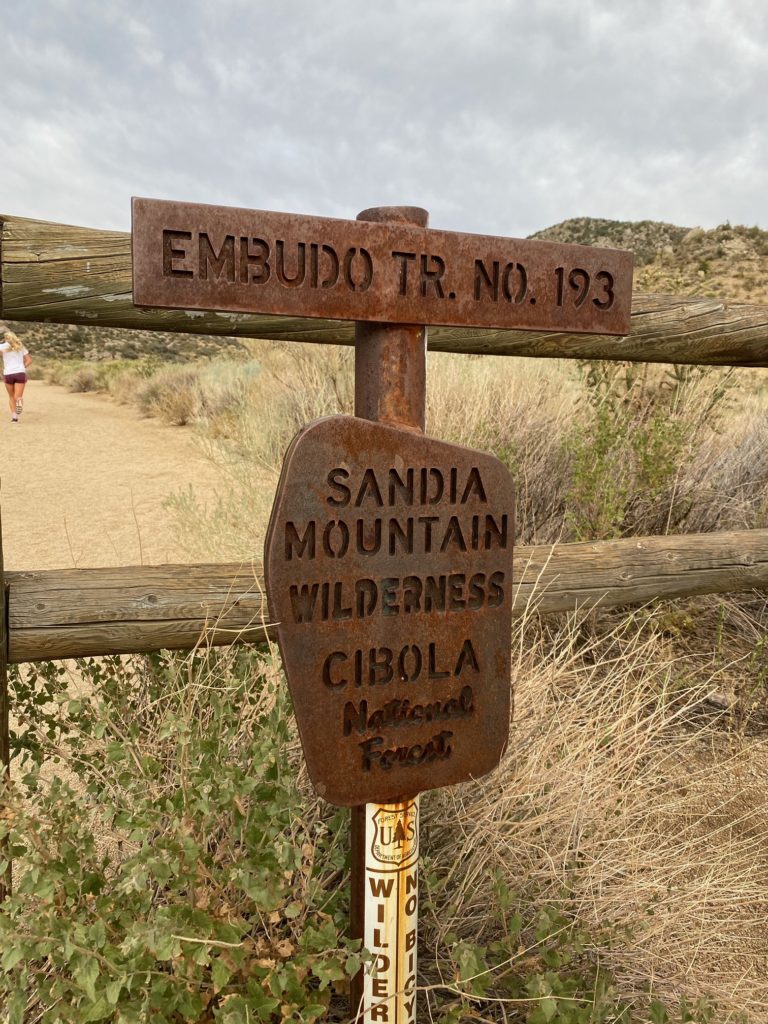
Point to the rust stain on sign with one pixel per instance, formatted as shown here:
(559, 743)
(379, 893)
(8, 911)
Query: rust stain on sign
(194, 256)
(389, 572)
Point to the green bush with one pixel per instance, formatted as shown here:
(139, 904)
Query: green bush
(635, 438)
(172, 872)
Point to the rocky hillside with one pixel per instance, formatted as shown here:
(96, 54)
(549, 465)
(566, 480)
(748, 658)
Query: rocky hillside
(646, 238)
(59, 341)
(724, 262)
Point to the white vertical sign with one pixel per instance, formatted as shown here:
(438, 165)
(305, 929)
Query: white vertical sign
(391, 912)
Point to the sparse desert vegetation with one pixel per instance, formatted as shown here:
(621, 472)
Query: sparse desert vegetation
(615, 865)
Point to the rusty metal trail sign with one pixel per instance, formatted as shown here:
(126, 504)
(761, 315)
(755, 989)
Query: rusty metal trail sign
(193, 256)
(388, 565)
(389, 554)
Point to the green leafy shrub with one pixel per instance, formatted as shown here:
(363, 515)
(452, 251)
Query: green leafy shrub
(539, 972)
(632, 444)
(170, 870)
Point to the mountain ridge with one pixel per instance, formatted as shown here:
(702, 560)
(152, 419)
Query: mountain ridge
(727, 262)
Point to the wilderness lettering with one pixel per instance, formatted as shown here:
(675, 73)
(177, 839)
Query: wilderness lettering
(339, 600)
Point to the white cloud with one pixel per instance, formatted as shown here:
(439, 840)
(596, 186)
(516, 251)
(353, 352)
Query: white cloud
(498, 115)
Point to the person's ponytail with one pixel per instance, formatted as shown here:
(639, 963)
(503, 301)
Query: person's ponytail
(13, 340)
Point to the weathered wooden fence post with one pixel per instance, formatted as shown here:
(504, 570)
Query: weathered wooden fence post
(5, 751)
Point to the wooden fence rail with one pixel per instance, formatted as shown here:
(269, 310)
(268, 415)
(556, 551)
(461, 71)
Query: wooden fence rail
(71, 613)
(60, 274)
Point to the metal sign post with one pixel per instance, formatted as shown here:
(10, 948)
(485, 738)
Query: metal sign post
(388, 562)
(5, 751)
(390, 387)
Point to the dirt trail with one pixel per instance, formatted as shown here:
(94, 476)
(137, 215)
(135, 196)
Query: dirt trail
(83, 481)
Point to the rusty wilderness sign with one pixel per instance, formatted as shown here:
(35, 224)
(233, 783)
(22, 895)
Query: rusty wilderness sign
(389, 572)
(199, 257)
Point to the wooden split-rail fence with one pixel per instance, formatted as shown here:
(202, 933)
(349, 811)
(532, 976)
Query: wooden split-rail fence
(55, 273)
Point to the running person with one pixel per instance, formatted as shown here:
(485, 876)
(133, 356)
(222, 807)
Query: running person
(16, 359)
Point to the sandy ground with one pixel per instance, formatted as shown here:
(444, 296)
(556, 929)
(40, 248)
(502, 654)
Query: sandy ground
(82, 484)
(83, 481)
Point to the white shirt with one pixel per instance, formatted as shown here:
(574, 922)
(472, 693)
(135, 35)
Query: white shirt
(13, 362)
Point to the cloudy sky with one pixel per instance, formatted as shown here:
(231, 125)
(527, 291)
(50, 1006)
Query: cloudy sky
(499, 116)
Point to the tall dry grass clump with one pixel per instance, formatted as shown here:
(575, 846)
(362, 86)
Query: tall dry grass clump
(623, 803)
(726, 483)
(201, 394)
(519, 409)
(284, 387)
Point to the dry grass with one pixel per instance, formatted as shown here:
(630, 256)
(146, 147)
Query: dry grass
(84, 379)
(706, 472)
(621, 800)
(519, 409)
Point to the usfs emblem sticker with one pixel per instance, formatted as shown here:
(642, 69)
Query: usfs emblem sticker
(395, 840)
